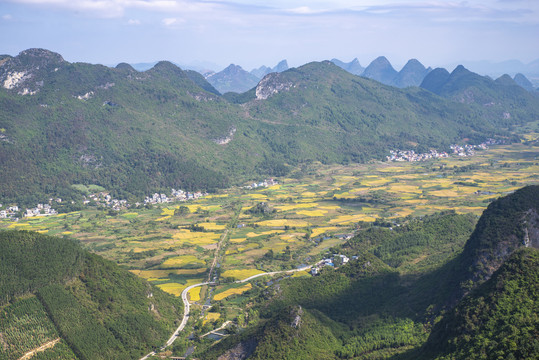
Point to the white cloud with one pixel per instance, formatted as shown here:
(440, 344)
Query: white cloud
(133, 22)
(170, 22)
(7, 17)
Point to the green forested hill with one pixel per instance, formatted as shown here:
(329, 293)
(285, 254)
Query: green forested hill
(138, 132)
(498, 320)
(98, 310)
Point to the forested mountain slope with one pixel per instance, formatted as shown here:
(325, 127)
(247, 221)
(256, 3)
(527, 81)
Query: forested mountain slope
(135, 133)
(96, 309)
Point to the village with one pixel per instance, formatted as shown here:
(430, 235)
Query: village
(265, 183)
(456, 150)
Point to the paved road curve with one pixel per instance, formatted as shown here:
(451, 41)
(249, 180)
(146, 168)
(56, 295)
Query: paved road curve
(186, 305)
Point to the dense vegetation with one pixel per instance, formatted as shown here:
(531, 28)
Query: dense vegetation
(499, 320)
(385, 305)
(29, 261)
(136, 133)
(100, 310)
(24, 326)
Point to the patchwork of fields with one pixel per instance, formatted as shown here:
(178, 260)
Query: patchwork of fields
(311, 212)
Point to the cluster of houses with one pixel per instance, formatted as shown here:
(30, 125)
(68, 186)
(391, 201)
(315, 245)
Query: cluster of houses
(411, 155)
(265, 183)
(13, 211)
(40, 210)
(458, 150)
(467, 150)
(104, 199)
(175, 196)
(9, 213)
(335, 260)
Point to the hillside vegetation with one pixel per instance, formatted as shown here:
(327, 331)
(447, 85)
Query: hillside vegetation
(99, 310)
(135, 133)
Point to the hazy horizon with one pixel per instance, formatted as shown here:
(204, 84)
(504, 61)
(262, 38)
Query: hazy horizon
(252, 33)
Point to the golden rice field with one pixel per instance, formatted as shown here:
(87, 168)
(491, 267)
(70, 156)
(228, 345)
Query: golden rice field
(163, 274)
(321, 230)
(176, 288)
(296, 206)
(232, 291)
(196, 237)
(212, 226)
(238, 240)
(241, 274)
(194, 294)
(182, 261)
(349, 219)
(283, 222)
(211, 317)
(270, 232)
(312, 212)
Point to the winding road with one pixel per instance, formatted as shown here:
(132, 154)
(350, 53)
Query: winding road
(187, 306)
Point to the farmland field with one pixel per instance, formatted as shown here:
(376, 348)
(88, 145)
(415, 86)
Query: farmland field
(309, 213)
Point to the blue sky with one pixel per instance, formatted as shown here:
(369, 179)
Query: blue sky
(253, 33)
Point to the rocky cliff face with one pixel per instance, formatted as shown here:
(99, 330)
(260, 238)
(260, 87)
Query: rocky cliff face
(272, 84)
(508, 224)
(22, 73)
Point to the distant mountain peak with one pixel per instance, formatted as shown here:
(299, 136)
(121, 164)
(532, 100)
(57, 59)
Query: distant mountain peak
(233, 79)
(412, 74)
(380, 69)
(523, 81)
(353, 67)
(264, 70)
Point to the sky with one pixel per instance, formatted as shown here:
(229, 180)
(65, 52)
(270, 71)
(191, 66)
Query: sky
(251, 33)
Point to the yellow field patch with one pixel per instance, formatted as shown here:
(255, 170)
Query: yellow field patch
(343, 195)
(237, 241)
(401, 212)
(329, 207)
(194, 293)
(374, 182)
(67, 232)
(212, 226)
(296, 206)
(301, 273)
(404, 188)
(253, 234)
(175, 288)
(274, 187)
(167, 211)
(211, 317)
(348, 219)
(233, 291)
(17, 225)
(283, 222)
(130, 214)
(180, 261)
(216, 196)
(195, 207)
(308, 194)
(322, 230)
(249, 246)
(312, 212)
(163, 274)
(163, 218)
(257, 196)
(444, 193)
(196, 237)
(392, 169)
(240, 274)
